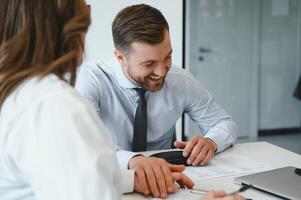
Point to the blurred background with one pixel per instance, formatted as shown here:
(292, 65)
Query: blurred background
(245, 52)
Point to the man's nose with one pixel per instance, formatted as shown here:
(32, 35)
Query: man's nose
(161, 69)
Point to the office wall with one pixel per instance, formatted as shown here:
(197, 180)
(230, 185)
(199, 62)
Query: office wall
(99, 43)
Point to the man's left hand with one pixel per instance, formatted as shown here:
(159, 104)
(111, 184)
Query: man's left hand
(199, 149)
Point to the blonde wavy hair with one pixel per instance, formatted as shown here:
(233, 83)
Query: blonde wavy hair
(39, 37)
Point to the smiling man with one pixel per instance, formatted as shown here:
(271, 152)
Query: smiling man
(146, 65)
(140, 95)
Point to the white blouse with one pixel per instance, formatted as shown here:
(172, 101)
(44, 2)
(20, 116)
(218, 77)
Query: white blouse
(54, 147)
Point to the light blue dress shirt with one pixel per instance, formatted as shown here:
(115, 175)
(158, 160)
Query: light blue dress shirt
(114, 98)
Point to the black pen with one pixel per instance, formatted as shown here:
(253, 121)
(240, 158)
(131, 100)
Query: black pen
(298, 171)
(242, 189)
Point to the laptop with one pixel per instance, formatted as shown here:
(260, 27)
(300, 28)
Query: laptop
(282, 182)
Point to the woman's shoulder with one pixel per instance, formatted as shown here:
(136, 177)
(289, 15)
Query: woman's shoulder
(36, 90)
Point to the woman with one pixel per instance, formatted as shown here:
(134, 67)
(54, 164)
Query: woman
(52, 145)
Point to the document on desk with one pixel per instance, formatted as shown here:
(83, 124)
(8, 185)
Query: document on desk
(183, 194)
(226, 165)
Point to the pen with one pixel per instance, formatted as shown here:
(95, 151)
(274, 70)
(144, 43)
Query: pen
(198, 191)
(243, 188)
(298, 171)
(201, 191)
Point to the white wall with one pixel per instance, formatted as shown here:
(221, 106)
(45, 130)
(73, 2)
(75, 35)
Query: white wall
(99, 42)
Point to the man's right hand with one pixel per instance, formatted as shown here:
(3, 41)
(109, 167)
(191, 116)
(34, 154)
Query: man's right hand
(157, 177)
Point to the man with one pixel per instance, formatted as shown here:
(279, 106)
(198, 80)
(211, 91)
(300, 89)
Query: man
(140, 95)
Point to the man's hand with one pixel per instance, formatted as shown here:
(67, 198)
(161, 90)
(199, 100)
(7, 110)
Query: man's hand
(199, 149)
(221, 195)
(157, 177)
(182, 180)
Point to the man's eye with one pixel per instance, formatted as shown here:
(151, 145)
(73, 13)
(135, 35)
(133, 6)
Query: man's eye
(148, 64)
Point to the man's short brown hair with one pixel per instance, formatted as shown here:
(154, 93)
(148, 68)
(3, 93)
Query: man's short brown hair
(141, 23)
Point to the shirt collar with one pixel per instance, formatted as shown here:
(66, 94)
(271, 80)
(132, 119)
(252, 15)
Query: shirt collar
(114, 68)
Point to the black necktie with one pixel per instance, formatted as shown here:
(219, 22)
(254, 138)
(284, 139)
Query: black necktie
(140, 123)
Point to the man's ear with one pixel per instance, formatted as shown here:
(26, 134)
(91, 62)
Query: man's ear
(120, 57)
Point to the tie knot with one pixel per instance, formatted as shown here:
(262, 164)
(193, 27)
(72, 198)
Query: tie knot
(140, 92)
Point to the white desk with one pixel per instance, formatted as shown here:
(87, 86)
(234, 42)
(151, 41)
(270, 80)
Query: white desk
(262, 152)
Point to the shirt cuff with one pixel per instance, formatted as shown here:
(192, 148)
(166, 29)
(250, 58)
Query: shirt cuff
(127, 181)
(124, 157)
(218, 141)
(224, 135)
